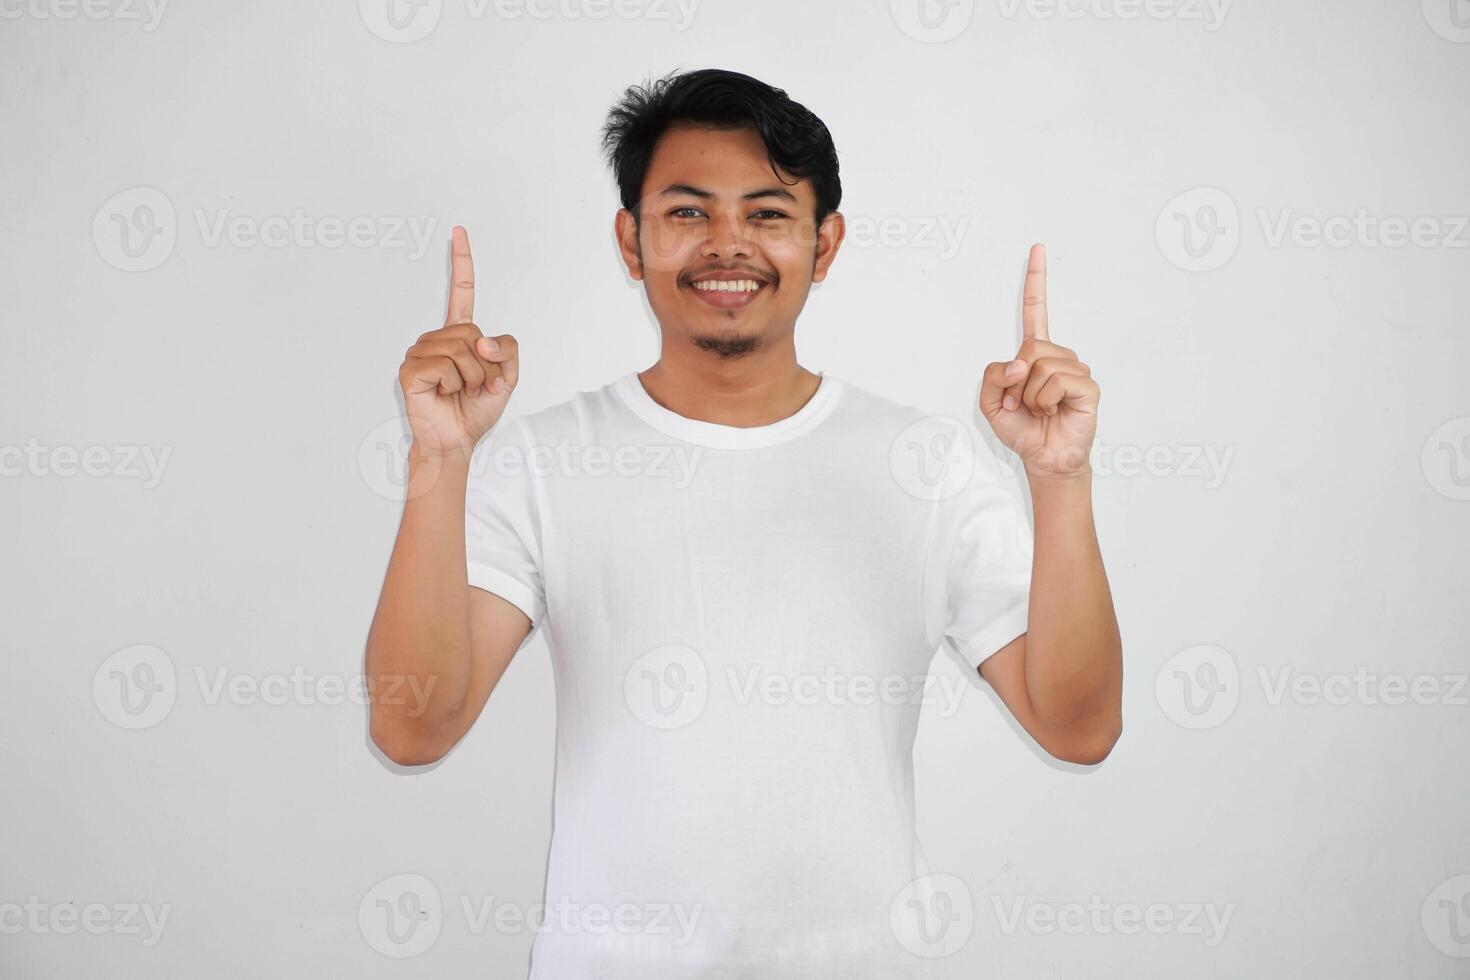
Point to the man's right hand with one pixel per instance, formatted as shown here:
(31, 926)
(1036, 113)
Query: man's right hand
(456, 381)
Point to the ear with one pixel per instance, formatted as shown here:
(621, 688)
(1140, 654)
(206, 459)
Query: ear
(625, 229)
(829, 240)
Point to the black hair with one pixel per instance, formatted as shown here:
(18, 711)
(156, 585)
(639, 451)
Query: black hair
(796, 141)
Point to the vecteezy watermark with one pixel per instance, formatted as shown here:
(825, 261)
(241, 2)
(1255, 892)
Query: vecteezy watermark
(406, 21)
(669, 687)
(668, 240)
(1207, 464)
(1208, 13)
(1446, 459)
(937, 21)
(1198, 687)
(941, 234)
(39, 918)
(932, 21)
(1098, 917)
(403, 916)
(1201, 686)
(400, 21)
(137, 230)
(933, 916)
(122, 462)
(1450, 19)
(1362, 229)
(147, 13)
(301, 230)
(1446, 917)
(1362, 686)
(674, 923)
(138, 686)
(382, 460)
(302, 687)
(838, 688)
(1200, 229)
(933, 458)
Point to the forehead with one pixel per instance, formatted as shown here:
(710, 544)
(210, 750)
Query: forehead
(725, 161)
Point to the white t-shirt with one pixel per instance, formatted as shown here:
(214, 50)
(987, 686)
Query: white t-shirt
(741, 621)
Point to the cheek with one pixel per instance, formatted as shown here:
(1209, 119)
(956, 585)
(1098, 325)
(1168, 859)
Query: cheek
(667, 248)
(790, 250)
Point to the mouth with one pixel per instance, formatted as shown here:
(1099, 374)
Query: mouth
(728, 291)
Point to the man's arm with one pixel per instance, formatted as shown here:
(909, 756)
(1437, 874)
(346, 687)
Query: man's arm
(438, 646)
(1063, 678)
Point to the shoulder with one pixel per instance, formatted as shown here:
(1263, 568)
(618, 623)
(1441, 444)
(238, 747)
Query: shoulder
(877, 412)
(578, 419)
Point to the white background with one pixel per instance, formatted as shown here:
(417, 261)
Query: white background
(1330, 541)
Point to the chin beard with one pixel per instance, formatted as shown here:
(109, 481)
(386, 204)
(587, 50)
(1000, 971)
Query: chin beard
(727, 347)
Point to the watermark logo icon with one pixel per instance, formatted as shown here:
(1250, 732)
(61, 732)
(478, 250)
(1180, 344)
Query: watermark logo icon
(933, 458)
(401, 916)
(1446, 917)
(1450, 19)
(135, 230)
(1199, 230)
(382, 458)
(400, 21)
(1199, 687)
(934, 916)
(136, 687)
(1446, 459)
(667, 687)
(932, 21)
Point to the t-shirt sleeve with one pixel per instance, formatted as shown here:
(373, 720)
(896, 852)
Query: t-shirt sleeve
(985, 539)
(502, 530)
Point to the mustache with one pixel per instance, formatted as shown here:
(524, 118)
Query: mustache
(769, 277)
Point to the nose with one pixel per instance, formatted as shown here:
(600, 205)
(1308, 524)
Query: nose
(727, 238)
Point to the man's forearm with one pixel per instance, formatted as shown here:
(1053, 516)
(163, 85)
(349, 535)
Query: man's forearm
(419, 645)
(1074, 663)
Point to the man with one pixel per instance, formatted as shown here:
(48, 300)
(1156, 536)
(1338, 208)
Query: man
(706, 539)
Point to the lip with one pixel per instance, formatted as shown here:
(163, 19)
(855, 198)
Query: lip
(728, 301)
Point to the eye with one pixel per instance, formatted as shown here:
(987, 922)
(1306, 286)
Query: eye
(769, 214)
(687, 211)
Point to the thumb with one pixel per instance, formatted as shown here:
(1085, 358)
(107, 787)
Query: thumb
(999, 376)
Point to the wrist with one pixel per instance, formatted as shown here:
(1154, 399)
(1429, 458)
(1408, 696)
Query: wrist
(421, 455)
(429, 469)
(1050, 482)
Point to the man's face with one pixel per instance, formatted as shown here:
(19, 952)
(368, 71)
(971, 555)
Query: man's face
(726, 250)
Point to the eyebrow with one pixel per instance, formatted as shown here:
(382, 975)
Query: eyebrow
(702, 194)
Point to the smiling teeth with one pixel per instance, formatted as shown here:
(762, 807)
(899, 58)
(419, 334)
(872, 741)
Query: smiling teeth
(731, 286)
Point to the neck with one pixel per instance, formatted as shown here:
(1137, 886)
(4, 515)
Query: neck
(760, 388)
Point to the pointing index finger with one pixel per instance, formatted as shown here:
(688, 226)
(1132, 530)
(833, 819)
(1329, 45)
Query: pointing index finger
(461, 279)
(1033, 296)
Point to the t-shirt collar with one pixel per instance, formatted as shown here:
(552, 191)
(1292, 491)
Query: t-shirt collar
(715, 436)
